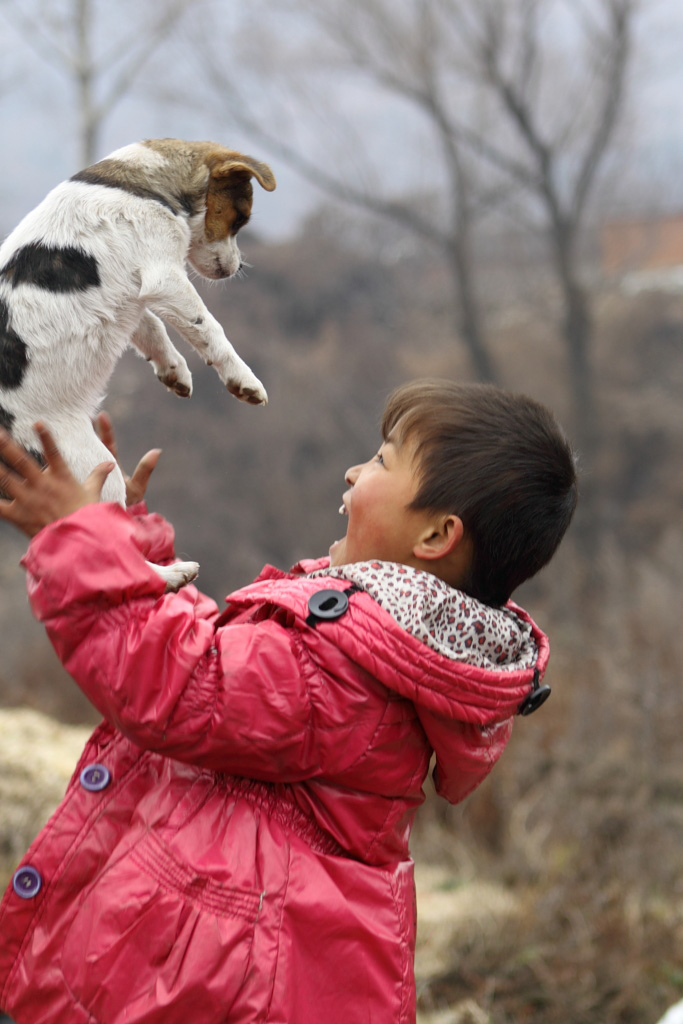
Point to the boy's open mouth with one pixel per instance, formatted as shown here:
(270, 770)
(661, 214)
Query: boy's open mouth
(343, 511)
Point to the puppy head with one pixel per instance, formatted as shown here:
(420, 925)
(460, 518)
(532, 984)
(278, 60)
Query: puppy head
(229, 194)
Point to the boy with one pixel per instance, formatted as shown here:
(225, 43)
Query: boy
(233, 846)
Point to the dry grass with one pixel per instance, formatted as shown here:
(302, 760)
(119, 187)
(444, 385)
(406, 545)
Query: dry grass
(582, 825)
(37, 759)
(555, 895)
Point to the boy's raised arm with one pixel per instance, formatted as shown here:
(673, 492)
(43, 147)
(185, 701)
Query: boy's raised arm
(244, 698)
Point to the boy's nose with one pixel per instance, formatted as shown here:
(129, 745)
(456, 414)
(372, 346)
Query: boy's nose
(351, 475)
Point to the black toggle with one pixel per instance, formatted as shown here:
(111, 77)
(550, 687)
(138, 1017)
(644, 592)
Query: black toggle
(538, 696)
(328, 604)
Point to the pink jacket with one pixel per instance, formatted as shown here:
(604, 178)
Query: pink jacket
(233, 846)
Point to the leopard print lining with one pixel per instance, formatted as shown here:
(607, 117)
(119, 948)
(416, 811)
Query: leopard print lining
(447, 620)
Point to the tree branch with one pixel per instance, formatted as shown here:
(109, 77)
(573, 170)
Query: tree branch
(311, 171)
(621, 12)
(31, 31)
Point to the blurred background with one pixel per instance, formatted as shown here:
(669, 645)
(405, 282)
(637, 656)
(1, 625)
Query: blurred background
(473, 189)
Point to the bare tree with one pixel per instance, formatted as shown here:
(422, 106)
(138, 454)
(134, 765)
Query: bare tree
(85, 40)
(395, 47)
(554, 151)
(521, 96)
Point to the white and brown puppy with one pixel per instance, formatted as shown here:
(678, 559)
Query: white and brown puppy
(97, 266)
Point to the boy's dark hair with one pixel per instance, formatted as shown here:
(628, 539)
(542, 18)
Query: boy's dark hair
(501, 462)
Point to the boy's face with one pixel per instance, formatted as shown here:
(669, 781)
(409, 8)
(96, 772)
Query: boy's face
(380, 523)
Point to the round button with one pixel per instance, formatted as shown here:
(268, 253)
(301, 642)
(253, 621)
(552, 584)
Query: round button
(27, 882)
(534, 700)
(328, 604)
(95, 777)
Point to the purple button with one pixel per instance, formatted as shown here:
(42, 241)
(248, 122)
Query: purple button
(27, 882)
(95, 777)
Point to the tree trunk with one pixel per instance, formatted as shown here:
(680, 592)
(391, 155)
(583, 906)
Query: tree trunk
(467, 312)
(89, 142)
(577, 331)
(84, 80)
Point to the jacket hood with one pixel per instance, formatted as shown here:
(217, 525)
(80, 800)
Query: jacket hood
(464, 697)
(447, 620)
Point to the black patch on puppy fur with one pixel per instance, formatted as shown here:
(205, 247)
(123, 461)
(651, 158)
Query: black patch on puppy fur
(13, 353)
(93, 176)
(55, 269)
(38, 456)
(6, 419)
(101, 174)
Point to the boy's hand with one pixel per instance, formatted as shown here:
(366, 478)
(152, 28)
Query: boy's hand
(136, 485)
(38, 496)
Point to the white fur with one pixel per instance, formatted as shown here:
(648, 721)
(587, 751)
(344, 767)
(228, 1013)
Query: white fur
(139, 154)
(74, 339)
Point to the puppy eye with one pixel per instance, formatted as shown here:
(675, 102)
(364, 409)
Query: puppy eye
(239, 222)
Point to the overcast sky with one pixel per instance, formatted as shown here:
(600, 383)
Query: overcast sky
(40, 148)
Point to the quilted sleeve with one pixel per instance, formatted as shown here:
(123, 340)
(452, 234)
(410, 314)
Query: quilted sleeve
(465, 752)
(154, 535)
(243, 697)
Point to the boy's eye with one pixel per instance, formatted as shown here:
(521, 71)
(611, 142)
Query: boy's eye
(380, 458)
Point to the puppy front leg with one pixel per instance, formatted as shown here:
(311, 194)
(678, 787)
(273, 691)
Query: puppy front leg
(170, 295)
(152, 342)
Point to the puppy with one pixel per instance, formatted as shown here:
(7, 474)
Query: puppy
(98, 265)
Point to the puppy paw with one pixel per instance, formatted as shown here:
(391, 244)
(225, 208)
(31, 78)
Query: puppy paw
(176, 378)
(247, 389)
(177, 575)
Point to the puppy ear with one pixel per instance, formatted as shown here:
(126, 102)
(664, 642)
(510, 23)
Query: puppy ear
(245, 164)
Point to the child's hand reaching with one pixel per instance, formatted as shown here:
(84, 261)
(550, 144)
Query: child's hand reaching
(39, 496)
(136, 485)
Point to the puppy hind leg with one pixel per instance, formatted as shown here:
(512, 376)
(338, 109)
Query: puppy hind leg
(176, 575)
(82, 451)
(152, 342)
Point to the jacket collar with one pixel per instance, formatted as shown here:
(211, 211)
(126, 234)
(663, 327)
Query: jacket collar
(449, 621)
(370, 635)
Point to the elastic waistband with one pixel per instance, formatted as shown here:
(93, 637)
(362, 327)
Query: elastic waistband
(278, 804)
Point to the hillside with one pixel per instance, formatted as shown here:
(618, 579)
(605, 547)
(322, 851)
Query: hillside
(582, 826)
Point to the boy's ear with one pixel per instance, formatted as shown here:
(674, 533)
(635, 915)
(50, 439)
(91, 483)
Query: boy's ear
(440, 539)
